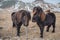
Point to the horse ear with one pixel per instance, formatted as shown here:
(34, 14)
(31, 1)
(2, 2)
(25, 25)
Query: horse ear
(42, 16)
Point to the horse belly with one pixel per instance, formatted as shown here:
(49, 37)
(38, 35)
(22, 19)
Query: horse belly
(49, 20)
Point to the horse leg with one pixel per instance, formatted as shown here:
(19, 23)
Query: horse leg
(18, 29)
(53, 28)
(41, 29)
(48, 28)
(13, 24)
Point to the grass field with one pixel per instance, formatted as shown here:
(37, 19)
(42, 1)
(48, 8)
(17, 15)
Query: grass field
(8, 32)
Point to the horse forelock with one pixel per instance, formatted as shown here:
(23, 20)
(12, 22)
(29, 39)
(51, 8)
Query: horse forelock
(25, 13)
(37, 10)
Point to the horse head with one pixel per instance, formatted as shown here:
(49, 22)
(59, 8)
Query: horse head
(38, 14)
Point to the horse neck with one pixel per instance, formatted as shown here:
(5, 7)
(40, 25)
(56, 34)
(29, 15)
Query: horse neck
(42, 16)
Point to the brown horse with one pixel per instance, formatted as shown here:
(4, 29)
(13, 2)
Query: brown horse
(19, 18)
(43, 19)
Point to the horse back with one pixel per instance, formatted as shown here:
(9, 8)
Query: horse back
(50, 18)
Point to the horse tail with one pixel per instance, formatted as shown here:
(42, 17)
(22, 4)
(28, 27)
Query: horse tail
(54, 19)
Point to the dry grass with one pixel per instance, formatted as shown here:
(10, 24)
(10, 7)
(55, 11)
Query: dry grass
(8, 32)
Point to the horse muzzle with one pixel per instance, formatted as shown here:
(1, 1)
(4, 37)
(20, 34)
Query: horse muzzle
(33, 19)
(25, 24)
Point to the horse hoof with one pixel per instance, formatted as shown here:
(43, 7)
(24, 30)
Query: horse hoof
(41, 36)
(18, 35)
(53, 31)
(1, 27)
(13, 26)
(47, 31)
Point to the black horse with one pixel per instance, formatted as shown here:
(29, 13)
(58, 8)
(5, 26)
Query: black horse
(20, 17)
(43, 19)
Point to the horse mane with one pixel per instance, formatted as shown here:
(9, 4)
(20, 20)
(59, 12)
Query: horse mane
(19, 14)
(42, 16)
(37, 9)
